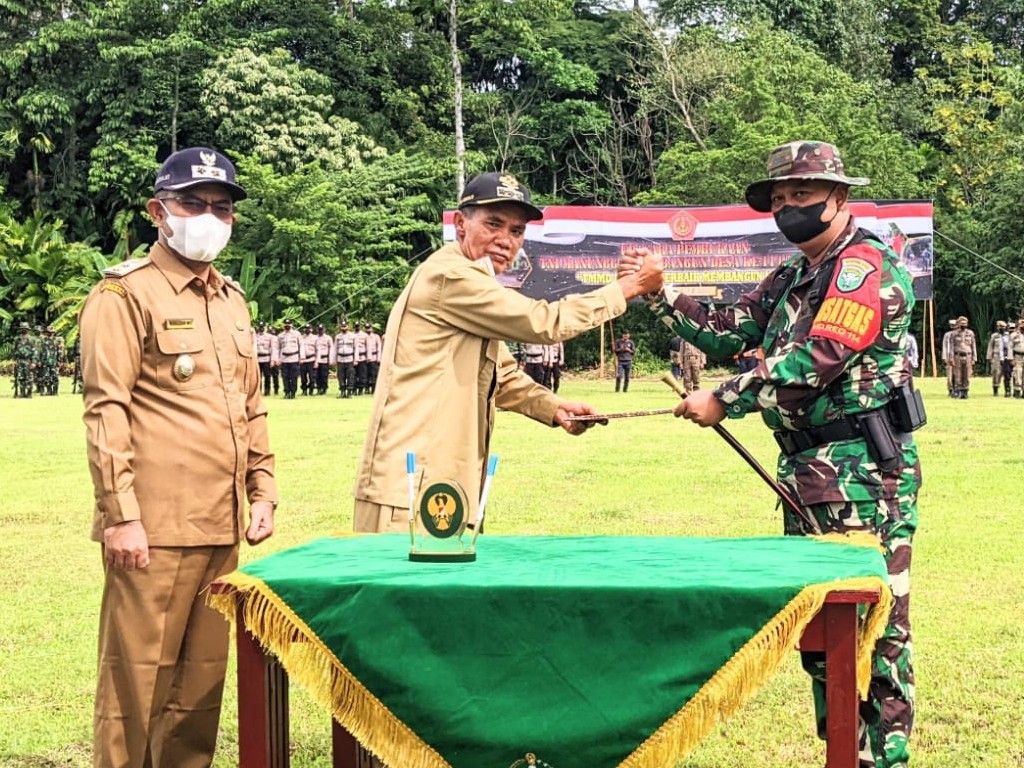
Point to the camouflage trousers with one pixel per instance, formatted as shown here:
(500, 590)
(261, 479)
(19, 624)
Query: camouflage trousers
(887, 716)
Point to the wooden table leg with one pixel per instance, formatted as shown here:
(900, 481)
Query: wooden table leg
(841, 699)
(262, 704)
(344, 747)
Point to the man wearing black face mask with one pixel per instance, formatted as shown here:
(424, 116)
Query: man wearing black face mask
(832, 321)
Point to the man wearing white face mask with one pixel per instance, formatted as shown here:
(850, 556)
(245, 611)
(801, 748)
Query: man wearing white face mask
(177, 440)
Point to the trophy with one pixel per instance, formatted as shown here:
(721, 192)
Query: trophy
(441, 509)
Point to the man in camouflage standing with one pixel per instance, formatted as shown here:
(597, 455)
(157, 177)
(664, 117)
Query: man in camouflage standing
(832, 321)
(25, 358)
(965, 355)
(52, 356)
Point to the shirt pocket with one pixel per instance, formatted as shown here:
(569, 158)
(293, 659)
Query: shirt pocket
(244, 346)
(181, 365)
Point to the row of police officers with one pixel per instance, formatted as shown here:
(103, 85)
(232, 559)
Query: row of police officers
(302, 359)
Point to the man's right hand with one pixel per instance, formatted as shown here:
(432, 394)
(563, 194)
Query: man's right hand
(640, 272)
(126, 546)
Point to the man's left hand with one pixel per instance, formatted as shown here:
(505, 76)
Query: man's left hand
(261, 525)
(567, 409)
(701, 407)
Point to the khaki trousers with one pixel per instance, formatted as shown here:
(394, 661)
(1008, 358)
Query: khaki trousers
(370, 517)
(162, 659)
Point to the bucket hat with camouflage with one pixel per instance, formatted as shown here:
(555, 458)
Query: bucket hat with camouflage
(800, 160)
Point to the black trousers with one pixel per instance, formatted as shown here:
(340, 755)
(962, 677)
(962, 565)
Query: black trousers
(265, 376)
(306, 377)
(290, 374)
(323, 372)
(346, 379)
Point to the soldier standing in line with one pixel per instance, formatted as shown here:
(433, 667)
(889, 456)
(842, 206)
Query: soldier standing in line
(343, 355)
(307, 359)
(373, 348)
(264, 343)
(359, 359)
(554, 359)
(39, 372)
(996, 355)
(275, 358)
(289, 342)
(322, 361)
(693, 360)
(25, 356)
(965, 355)
(625, 348)
(534, 356)
(76, 366)
(947, 354)
(52, 357)
(1017, 352)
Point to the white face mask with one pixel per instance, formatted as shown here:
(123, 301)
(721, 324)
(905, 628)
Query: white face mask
(198, 238)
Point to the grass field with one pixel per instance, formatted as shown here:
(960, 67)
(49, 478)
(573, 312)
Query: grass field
(656, 475)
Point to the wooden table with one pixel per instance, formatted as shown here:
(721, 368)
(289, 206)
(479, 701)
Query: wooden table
(263, 723)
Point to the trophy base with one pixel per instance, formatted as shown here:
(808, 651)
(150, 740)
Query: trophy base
(442, 557)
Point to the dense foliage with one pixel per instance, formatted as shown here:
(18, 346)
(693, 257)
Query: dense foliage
(341, 118)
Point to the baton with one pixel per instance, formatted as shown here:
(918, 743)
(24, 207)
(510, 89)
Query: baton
(600, 418)
(782, 493)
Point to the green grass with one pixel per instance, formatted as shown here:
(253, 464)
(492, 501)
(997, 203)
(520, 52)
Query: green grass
(655, 475)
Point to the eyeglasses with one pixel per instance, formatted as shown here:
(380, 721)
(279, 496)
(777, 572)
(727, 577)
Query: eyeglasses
(194, 206)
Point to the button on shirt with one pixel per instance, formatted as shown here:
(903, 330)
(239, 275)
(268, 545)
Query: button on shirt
(176, 426)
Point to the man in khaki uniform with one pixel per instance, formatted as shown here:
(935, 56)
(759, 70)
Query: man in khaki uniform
(947, 355)
(965, 355)
(692, 363)
(177, 439)
(1017, 352)
(444, 366)
(998, 354)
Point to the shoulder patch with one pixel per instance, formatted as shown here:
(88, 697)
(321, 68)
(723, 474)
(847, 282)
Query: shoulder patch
(851, 312)
(115, 288)
(125, 267)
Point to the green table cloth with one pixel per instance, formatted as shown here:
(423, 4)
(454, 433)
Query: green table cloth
(572, 652)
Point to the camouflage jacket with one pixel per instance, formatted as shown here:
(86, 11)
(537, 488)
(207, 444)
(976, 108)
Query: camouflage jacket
(25, 349)
(843, 358)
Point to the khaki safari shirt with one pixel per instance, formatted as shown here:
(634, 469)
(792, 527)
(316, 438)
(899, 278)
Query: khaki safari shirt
(178, 449)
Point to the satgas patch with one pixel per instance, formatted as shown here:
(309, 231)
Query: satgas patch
(851, 312)
(852, 272)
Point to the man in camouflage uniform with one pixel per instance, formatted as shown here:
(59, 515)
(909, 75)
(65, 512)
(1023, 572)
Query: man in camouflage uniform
(76, 366)
(52, 356)
(965, 355)
(832, 321)
(25, 358)
(1017, 353)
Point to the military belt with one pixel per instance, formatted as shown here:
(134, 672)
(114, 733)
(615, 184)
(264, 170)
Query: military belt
(961, 354)
(791, 443)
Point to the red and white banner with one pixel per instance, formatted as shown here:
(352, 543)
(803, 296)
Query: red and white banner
(715, 252)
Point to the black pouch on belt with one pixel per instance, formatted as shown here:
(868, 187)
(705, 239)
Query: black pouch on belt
(881, 443)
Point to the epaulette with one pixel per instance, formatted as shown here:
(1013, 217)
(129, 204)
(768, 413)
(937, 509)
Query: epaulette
(126, 267)
(230, 281)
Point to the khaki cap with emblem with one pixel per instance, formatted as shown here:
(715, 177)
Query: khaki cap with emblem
(800, 160)
(197, 165)
(491, 188)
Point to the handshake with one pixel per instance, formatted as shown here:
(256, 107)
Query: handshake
(640, 272)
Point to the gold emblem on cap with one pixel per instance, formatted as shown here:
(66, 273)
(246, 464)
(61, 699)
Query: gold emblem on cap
(509, 181)
(184, 367)
(208, 157)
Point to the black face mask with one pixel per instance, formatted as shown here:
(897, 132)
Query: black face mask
(798, 224)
